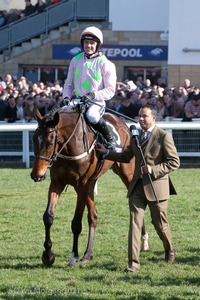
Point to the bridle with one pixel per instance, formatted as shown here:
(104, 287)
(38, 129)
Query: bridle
(51, 158)
(55, 154)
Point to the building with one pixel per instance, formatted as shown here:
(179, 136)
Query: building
(153, 40)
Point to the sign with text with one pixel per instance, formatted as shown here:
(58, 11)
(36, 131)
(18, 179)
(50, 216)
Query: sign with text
(115, 52)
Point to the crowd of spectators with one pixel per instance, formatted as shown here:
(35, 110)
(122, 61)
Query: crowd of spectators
(19, 99)
(170, 103)
(14, 14)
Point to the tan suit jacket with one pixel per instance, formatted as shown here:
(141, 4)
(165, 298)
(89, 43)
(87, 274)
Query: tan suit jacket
(161, 155)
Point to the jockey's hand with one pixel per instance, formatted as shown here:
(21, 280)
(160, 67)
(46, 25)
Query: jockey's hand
(100, 148)
(66, 101)
(88, 97)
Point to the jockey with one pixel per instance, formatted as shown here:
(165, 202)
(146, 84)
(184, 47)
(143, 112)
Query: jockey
(92, 77)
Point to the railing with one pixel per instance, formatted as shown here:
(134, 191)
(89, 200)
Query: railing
(53, 17)
(186, 136)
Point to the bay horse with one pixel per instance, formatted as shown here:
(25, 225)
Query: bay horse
(65, 143)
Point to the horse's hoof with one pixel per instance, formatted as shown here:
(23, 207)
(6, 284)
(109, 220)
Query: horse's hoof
(86, 259)
(73, 260)
(48, 260)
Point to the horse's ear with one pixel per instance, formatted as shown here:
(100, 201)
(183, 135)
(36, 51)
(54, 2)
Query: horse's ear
(56, 118)
(38, 115)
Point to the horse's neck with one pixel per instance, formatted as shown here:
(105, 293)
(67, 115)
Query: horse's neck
(74, 127)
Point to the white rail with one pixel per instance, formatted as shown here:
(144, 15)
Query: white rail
(26, 128)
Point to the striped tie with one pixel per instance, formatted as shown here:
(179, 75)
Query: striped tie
(144, 141)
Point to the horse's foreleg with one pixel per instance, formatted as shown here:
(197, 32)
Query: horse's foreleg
(144, 239)
(48, 257)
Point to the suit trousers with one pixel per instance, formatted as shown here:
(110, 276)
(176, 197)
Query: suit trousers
(158, 212)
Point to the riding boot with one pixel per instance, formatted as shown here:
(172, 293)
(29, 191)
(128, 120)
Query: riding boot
(102, 127)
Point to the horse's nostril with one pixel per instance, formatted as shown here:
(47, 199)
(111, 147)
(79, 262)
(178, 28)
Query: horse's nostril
(37, 178)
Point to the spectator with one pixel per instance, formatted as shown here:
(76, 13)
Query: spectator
(187, 85)
(180, 95)
(118, 97)
(140, 83)
(57, 87)
(172, 108)
(10, 87)
(58, 101)
(12, 16)
(134, 97)
(20, 109)
(143, 100)
(23, 83)
(29, 109)
(15, 93)
(160, 109)
(148, 87)
(40, 6)
(2, 19)
(23, 92)
(114, 103)
(160, 83)
(3, 105)
(2, 84)
(129, 109)
(29, 9)
(8, 79)
(47, 107)
(5, 94)
(11, 110)
(153, 101)
(192, 107)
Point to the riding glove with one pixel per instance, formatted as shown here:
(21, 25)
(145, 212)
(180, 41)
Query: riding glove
(66, 101)
(88, 97)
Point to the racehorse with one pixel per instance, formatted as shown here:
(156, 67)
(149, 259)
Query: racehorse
(65, 143)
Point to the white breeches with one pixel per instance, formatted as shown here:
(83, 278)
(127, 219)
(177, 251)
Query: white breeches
(93, 113)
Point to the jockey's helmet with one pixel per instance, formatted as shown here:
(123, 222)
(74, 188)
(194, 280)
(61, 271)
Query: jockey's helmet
(92, 33)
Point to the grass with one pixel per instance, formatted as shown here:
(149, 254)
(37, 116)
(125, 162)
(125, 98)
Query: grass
(22, 275)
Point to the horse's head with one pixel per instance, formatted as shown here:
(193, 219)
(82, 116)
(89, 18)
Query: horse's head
(44, 141)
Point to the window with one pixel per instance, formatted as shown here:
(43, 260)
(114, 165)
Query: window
(153, 74)
(45, 73)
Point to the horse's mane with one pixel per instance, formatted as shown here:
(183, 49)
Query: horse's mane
(52, 113)
(49, 117)
(47, 120)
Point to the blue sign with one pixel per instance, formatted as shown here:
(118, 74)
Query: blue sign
(115, 52)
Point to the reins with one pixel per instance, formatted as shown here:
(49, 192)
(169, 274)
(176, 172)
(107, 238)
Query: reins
(77, 157)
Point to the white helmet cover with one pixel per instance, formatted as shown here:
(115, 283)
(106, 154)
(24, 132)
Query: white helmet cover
(92, 31)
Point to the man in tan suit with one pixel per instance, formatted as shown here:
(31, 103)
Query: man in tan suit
(150, 185)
